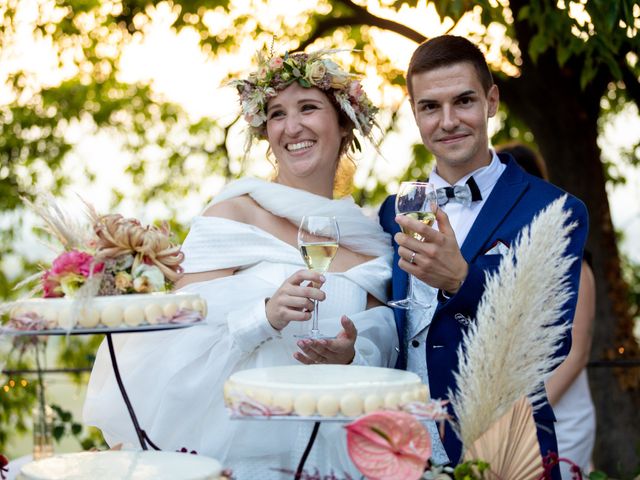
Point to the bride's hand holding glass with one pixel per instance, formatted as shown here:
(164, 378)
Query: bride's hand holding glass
(318, 242)
(293, 301)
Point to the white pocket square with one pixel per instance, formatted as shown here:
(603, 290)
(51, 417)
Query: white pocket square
(499, 248)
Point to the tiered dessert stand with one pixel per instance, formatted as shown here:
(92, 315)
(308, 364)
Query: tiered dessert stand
(143, 438)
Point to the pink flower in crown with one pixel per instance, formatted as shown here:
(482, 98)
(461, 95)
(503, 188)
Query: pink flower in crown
(355, 89)
(276, 63)
(263, 71)
(73, 261)
(388, 445)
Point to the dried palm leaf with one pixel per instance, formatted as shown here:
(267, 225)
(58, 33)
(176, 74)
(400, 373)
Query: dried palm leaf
(510, 446)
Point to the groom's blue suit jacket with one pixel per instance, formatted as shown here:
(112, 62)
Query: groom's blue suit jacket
(516, 198)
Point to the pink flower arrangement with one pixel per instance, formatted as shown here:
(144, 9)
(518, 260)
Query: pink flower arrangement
(389, 445)
(121, 254)
(69, 271)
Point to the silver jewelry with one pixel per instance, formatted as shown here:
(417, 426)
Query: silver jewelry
(412, 258)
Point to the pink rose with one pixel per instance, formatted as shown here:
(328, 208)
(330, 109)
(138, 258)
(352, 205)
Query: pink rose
(75, 262)
(276, 63)
(355, 89)
(389, 445)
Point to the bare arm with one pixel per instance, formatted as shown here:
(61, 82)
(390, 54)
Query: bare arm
(582, 331)
(188, 278)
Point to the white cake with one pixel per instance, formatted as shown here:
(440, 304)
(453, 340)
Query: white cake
(123, 465)
(117, 311)
(321, 390)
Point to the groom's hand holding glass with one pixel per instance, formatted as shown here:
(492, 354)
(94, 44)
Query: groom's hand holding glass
(436, 259)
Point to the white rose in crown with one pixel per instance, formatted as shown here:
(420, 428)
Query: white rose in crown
(315, 72)
(338, 78)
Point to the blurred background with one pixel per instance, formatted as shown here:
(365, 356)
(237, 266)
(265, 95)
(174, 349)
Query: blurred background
(124, 103)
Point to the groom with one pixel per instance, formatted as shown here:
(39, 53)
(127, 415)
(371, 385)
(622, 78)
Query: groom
(485, 200)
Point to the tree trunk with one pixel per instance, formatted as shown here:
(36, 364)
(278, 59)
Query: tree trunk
(564, 122)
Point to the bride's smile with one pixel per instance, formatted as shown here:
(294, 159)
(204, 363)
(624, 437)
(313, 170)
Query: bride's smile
(305, 136)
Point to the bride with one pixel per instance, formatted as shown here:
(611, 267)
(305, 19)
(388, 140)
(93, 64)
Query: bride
(241, 256)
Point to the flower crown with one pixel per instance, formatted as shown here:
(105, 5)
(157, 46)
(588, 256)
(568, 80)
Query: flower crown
(275, 73)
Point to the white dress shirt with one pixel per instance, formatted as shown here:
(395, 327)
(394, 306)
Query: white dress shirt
(461, 218)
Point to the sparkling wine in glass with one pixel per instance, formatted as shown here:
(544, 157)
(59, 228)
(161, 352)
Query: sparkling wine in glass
(415, 200)
(318, 240)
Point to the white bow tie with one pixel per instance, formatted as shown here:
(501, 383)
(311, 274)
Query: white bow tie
(464, 194)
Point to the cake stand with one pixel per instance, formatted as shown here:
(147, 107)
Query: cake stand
(143, 438)
(316, 419)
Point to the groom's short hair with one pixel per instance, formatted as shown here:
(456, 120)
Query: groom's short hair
(444, 51)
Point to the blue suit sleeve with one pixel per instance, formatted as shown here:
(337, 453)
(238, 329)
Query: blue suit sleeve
(575, 249)
(384, 213)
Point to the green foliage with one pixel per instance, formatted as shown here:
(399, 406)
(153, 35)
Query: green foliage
(18, 393)
(65, 425)
(17, 399)
(78, 352)
(472, 470)
(631, 275)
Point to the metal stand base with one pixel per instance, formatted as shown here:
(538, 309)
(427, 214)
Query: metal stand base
(143, 438)
(307, 450)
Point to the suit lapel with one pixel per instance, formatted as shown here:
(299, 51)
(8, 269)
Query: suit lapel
(506, 193)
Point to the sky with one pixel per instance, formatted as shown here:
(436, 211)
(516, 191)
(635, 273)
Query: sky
(180, 71)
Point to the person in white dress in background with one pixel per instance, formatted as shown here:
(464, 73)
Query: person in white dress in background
(568, 386)
(241, 255)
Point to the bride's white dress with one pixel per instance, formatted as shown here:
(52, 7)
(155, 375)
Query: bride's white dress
(175, 378)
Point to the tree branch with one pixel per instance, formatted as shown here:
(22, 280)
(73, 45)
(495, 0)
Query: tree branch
(326, 26)
(360, 16)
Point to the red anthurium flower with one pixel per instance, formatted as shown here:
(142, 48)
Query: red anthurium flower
(389, 445)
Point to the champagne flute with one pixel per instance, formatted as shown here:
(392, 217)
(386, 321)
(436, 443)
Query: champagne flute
(318, 239)
(415, 200)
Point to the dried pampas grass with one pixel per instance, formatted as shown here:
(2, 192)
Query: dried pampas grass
(511, 345)
(68, 231)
